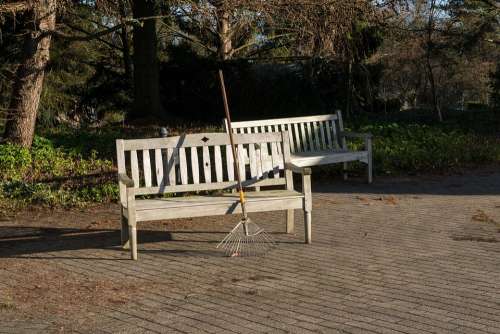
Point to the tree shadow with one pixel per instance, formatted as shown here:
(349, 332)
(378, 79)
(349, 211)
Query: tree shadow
(468, 184)
(32, 242)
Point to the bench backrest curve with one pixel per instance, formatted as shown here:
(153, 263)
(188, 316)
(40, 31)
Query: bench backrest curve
(306, 134)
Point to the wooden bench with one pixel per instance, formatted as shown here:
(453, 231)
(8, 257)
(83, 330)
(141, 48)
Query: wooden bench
(203, 164)
(315, 140)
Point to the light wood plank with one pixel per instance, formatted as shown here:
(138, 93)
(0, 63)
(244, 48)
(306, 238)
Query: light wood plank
(159, 168)
(230, 163)
(198, 140)
(275, 160)
(241, 161)
(316, 136)
(291, 120)
(253, 160)
(310, 135)
(298, 145)
(171, 166)
(134, 165)
(183, 165)
(146, 164)
(207, 166)
(218, 164)
(267, 163)
(290, 137)
(304, 136)
(323, 145)
(195, 169)
(329, 142)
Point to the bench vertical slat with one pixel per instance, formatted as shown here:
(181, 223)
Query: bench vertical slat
(329, 142)
(267, 164)
(241, 161)
(146, 164)
(134, 165)
(207, 167)
(218, 163)
(258, 160)
(290, 137)
(170, 170)
(230, 163)
(159, 168)
(297, 138)
(316, 136)
(310, 138)
(303, 135)
(275, 160)
(183, 165)
(255, 129)
(195, 169)
(253, 160)
(341, 140)
(321, 130)
(334, 135)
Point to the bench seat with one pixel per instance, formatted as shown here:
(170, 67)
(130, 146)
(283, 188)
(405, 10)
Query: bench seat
(213, 205)
(317, 158)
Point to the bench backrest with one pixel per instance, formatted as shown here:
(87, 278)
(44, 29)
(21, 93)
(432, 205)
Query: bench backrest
(309, 133)
(198, 162)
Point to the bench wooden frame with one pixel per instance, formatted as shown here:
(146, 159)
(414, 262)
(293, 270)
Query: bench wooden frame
(204, 163)
(315, 140)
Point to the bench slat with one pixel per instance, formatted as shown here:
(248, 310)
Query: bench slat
(253, 160)
(297, 138)
(275, 160)
(241, 161)
(303, 135)
(316, 135)
(159, 167)
(310, 136)
(146, 164)
(321, 130)
(195, 170)
(230, 163)
(183, 165)
(134, 166)
(218, 163)
(171, 157)
(292, 120)
(207, 167)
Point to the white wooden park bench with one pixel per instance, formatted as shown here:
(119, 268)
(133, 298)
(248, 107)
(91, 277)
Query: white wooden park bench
(315, 140)
(203, 164)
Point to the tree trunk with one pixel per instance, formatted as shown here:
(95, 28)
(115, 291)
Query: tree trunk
(146, 67)
(124, 36)
(28, 82)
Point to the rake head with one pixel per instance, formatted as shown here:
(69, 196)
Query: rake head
(246, 239)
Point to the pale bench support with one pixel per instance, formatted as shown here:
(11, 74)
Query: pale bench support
(205, 164)
(315, 140)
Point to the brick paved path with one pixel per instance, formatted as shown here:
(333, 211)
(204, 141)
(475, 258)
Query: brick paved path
(401, 256)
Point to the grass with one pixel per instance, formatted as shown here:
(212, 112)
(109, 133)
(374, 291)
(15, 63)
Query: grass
(67, 167)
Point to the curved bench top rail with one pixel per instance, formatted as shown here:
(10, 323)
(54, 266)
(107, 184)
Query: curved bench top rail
(198, 140)
(279, 121)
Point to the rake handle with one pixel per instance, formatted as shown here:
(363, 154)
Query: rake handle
(233, 146)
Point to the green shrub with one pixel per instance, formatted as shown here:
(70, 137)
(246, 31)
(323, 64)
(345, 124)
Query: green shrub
(15, 161)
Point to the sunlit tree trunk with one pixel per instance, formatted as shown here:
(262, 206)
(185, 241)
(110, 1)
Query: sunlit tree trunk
(28, 80)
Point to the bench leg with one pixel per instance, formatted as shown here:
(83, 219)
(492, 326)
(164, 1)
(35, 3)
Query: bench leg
(124, 233)
(369, 171)
(345, 171)
(132, 230)
(290, 224)
(307, 226)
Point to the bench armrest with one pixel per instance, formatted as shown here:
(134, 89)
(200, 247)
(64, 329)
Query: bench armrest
(297, 169)
(356, 135)
(127, 181)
